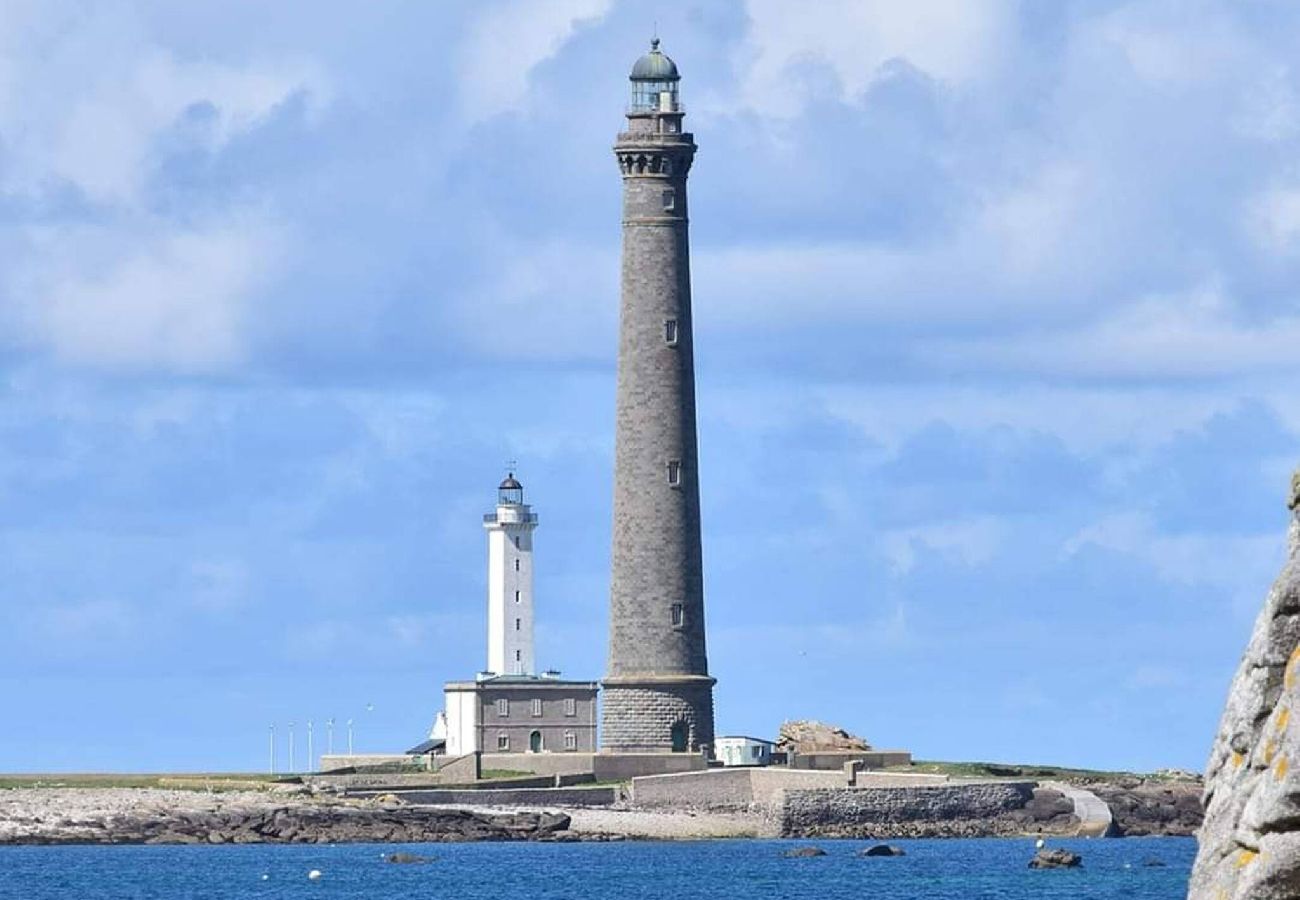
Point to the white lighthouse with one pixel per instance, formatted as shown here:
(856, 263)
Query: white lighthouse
(510, 581)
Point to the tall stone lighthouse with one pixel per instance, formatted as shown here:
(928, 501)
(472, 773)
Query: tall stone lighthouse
(658, 695)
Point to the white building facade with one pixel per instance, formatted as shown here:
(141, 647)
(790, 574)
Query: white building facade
(741, 750)
(510, 582)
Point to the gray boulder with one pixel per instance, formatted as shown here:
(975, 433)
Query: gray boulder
(882, 850)
(804, 853)
(1250, 841)
(1055, 859)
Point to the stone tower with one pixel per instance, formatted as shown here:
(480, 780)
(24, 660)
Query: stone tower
(658, 693)
(510, 581)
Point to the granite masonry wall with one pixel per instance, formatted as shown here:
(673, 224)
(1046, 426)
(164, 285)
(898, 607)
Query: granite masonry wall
(640, 718)
(748, 788)
(947, 810)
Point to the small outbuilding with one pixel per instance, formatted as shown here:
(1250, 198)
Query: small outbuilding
(742, 750)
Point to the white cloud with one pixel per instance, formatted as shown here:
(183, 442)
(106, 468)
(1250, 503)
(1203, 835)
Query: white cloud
(89, 622)
(1192, 334)
(970, 542)
(101, 133)
(1221, 560)
(1273, 219)
(954, 41)
(90, 101)
(508, 40)
(548, 299)
(176, 301)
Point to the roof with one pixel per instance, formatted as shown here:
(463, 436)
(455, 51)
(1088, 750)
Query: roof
(655, 66)
(428, 746)
(484, 682)
(510, 484)
(744, 737)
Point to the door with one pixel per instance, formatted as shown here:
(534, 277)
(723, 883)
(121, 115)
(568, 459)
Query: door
(678, 735)
(535, 742)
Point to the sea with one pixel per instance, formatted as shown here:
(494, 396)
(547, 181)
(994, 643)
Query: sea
(952, 869)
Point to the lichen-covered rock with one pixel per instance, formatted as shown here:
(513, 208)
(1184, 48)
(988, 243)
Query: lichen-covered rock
(1250, 841)
(809, 736)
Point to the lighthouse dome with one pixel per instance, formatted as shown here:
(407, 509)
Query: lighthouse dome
(510, 484)
(655, 66)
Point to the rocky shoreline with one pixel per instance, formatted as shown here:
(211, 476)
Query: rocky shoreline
(155, 816)
(144, 816)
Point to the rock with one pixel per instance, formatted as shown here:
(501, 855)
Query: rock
(882, 850)
(804, 853)
(1250, 842)
(1055, 859)
(1153, 863)
(407, 858)
(808, 736)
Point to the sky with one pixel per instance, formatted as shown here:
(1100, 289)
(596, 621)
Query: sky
(996, 326)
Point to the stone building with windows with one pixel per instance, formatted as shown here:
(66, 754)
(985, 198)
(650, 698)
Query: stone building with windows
(521, 714)
(509, 708)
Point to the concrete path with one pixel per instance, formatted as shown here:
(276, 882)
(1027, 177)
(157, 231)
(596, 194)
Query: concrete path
(1094, 815)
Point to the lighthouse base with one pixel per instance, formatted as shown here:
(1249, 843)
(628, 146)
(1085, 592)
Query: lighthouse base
(657, 714)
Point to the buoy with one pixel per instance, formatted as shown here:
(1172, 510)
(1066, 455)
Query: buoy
(266, 877)
(314, 874)
(1039, 844)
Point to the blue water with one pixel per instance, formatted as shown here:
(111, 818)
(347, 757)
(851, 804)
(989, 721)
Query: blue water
(747, 870)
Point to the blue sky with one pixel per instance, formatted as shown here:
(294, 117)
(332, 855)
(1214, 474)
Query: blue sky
(996, 327)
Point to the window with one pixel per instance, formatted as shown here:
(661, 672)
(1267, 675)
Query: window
(519, 656)
(516, 596)
(516, 564)
(670, 332)
(503, 742)
(670, 200)
(516, 542)
(570, 741)
(570, 706)
(537, 706)
(517, 624)
(756, 752)
(503, 707)
(675, 472)
(679, 615)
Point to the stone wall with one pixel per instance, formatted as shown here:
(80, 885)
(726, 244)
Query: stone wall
(626, 766)
(835, 759)
(330, 762)
(639, 717)
(541, 763)
(749, 788)
(529, 797)
(947, 810)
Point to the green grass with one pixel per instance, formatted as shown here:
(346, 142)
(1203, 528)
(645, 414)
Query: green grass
(223, 781)
(495, 774)
(1013, 770)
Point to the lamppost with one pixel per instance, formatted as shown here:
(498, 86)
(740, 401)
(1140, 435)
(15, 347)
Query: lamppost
(349, 737)
(310, 755)
(272, 749)
(329, 735)
(292, 767)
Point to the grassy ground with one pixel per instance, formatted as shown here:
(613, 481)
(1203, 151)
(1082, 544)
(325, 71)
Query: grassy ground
(224, 781)
(1013, 770)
